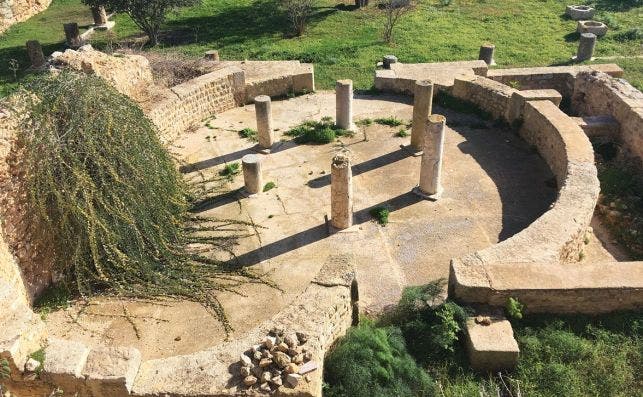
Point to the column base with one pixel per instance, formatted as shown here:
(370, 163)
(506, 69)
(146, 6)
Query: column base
(412, 151)
(244, 193)
(575, 59)
(108, 26)
(431, 197)
(262, 150)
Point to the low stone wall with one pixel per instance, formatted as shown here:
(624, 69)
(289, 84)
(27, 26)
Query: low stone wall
(14, 11)
(277, 79)
(559, 78)
(598, 94)
(552, 287)
(485, 93)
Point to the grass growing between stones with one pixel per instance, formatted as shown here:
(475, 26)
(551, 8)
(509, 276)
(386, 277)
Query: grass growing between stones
(318, 132)
(105, 195)
(249, 134)
(390, 121)
(574, 356)
(344, 42)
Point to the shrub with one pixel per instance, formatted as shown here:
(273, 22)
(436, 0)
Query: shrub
(105, 193)
(230, 170)
(298, 13)
(373, 362)
(393, 11)
(514, 308)
(402, 133)
(380, 214)
(629, 35)
(317, 132)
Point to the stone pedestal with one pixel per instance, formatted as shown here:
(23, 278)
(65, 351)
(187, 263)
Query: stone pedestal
(344, 104)
(490, 344)
(388, 61)
(586, 47)
(99, 15)
(422, 106)
(252, 177)
(430, 174)
(263, 110)
(72, 35)
(341, 191)
(35, 54)
(212, 55)
(486, 54)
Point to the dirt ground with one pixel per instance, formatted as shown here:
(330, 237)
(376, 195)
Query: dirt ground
(494, 186)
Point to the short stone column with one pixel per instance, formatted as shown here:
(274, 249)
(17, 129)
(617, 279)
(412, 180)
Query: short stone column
(422, 106)
(72, 35)
(341, 192)
(388, 61)
(100, 15)
(252, 177)
(35, 54)
(263, 110)
(344, 104)
(586, 47)
(486, 54)
(430, 174)
(212, 55)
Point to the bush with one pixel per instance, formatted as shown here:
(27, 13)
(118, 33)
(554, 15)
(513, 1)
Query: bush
(317, 132)
(373, 362)
(380, 214)
(298, 13)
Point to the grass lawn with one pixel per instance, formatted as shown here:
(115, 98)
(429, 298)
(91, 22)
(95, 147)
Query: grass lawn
(346, 43)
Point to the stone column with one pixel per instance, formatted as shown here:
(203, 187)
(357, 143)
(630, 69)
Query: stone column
(263, 110)
(586, 47)
(344, 104)
(430, 173)
(341, 192)
(100, 16)
(34, 51)
(252, 178)
(486, 54)
(422, 106)
(212, 55)
(72, 34)
(388, 61)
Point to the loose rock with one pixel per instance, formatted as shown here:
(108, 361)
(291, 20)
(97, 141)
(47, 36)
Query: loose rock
(265, 362)
(249, 380)
(245, 361)
(291, 368)
(281, 359)
(310, 366)
(244, 371)
(293, 379)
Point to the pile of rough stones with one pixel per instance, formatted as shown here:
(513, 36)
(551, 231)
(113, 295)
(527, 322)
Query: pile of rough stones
(281, 359)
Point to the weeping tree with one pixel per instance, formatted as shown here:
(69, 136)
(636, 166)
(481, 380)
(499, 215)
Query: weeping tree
(148, 15)
(105, 192)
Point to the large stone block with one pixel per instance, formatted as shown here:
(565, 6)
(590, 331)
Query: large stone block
(110, 371)
(490, 344)
(64, 363)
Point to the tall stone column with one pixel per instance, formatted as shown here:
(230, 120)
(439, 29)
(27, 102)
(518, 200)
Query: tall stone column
(252, 177)
(430, 174)
(34, 51)
(263, 111)
(486, 54)
(72, 35)
(344, 104)
(586, 47)
(100, 15)
(422, 106)
(341, 192)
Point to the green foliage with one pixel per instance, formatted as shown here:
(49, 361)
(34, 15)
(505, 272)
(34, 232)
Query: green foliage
(105, 194)
(54, 298)
(373, 362)
(514, 308)
(230, 170)
(249, 134)
(402, 133)
(629, 35)
(364, 122)
(148, 15)
(269, 186)
(390, 121)
(317, 132)
(380, 214)
(5, 370)
(39, 356)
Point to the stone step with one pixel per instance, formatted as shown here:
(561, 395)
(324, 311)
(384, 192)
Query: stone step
(598, 126)
(23, 333)
(490, 343)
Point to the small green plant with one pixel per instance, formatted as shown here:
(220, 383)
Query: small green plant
(514, 84)
(317, 132)
(364, 122)
(402, 133)
(629, 35)
(5, 370)
(390, 121)
(209, 123)
(380, 214)
(249, 134)
(269, 186)
(514, 308)
(39, 356)
(230, 170)
(54, 298)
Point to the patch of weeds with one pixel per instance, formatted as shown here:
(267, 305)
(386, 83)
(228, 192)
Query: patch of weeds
(269, 186)
(39, 356)
(514, 308)
(55, 297)
(629, 35)
(380, 214)
(209, 123)
(249, 134)
(514, 84)
(390, 121)
(364, 122)
(5, 370)
(317, 132)
(402, 133)
(230, 170)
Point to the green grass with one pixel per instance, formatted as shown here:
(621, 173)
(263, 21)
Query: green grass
(39, 356)
(230, 170)
(317, 132)
(249, 134)
(54, 298)
(402, 133)
(346, 43)
(390, 121)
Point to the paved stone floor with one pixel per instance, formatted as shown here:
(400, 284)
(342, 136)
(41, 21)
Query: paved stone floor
(494, 186)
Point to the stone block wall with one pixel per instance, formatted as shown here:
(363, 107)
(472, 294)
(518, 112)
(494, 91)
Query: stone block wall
(598, 94)
(14, 11)
(485, 93)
